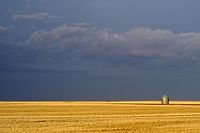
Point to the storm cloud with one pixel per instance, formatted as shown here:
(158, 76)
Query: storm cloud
(99, 49)
(136, 42)
(74, 43)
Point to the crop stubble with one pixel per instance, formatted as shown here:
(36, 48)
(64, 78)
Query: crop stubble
(127, 116)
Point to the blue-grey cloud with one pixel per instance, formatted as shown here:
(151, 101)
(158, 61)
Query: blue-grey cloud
(42, 58)
(35, 16)
(80, 46)
(143, 42)
(3, 29)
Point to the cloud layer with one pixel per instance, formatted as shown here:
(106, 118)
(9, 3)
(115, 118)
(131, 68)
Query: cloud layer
(144, 42)
(35, 16)
(80, 46)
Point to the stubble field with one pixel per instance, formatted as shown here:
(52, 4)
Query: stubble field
(126, 116)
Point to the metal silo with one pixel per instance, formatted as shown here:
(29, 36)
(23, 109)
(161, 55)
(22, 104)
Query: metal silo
(165, 99)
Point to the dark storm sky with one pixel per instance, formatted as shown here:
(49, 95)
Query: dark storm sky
(99, 49)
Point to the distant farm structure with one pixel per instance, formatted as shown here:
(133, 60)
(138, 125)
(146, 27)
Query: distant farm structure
(165, 100)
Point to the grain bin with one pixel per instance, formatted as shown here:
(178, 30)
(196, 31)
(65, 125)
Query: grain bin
(165, 99)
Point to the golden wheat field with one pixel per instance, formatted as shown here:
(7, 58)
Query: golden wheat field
(122, 117)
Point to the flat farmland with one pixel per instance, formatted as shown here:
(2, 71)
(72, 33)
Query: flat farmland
(100, 116)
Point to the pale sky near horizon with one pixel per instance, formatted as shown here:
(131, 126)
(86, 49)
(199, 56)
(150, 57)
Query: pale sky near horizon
(99, 49)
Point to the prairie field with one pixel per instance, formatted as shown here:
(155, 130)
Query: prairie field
(100, 116)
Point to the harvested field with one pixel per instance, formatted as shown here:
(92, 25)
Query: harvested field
(121, 116)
